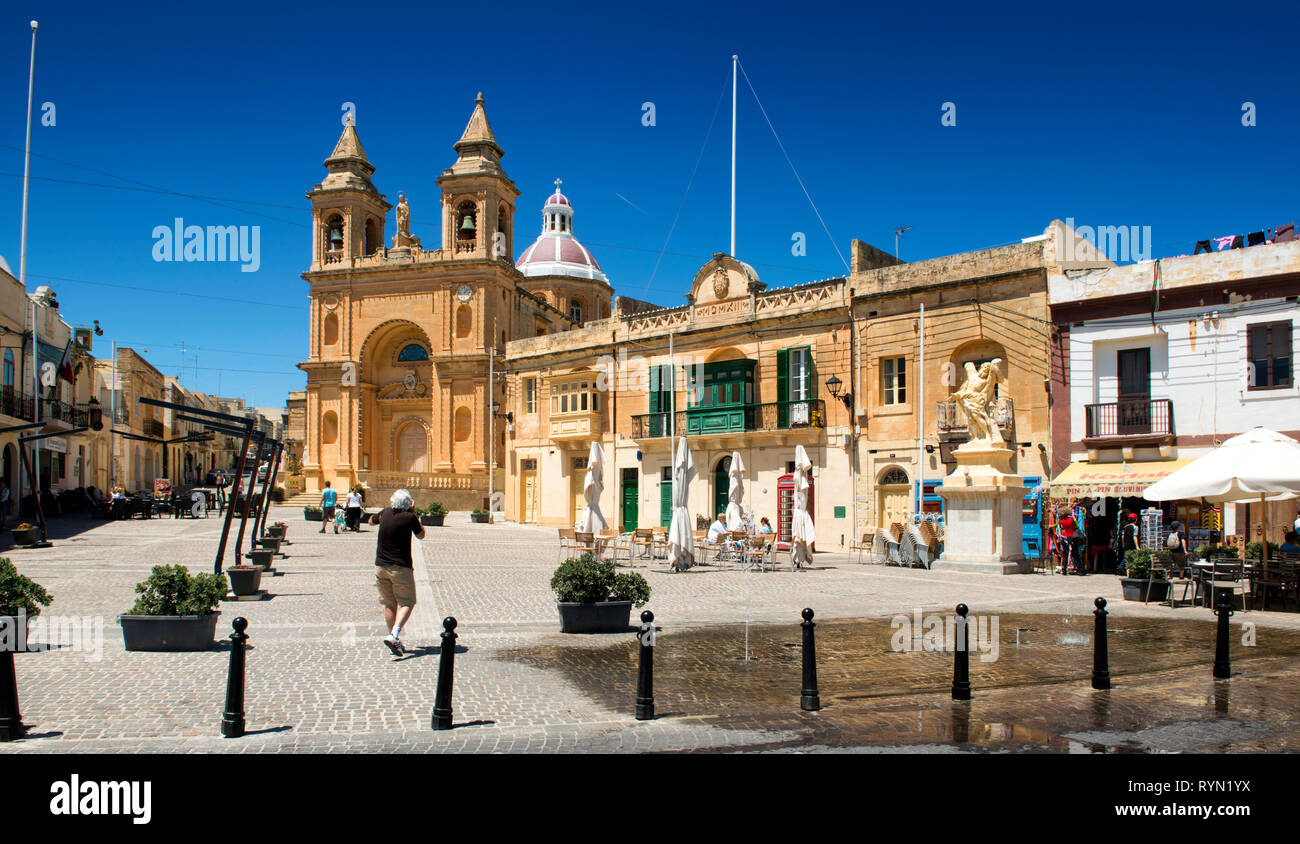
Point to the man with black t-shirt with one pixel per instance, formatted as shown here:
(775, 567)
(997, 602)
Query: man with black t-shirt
(394, 575)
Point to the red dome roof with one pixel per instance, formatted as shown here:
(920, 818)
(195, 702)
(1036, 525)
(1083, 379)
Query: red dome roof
(557, 198)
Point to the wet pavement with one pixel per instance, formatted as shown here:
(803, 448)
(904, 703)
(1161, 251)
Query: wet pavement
(883, 689)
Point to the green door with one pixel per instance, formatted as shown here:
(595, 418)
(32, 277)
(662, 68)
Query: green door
(630, 499)
(666, 497)
(721, 486)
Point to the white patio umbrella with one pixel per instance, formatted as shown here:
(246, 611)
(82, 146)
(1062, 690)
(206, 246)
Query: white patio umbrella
(1258, 465)
(681, 542)
(592, 520)
(736, 493)
(802, 534)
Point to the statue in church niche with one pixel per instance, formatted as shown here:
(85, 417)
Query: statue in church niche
(403, 237)
(976, 397)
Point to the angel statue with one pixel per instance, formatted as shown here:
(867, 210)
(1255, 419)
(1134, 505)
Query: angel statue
(976, 397)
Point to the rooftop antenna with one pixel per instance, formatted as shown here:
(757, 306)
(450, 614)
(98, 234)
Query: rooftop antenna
(899, 232)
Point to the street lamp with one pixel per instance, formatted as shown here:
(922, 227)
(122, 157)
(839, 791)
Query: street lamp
(833, 386)
(95, 414)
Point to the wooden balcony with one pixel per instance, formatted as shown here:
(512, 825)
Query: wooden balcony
(579, 425)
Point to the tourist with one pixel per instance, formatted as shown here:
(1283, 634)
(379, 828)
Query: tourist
(1296, 526)
(717, 530)
(354, 510)
(1071, 546)
(1176, 545)
(328, 498)
(764, 526)
(1291, 543)
(394, 575)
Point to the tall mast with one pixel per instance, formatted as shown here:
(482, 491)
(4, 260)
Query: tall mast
(734, 61)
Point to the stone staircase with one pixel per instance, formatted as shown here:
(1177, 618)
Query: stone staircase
(302, 499)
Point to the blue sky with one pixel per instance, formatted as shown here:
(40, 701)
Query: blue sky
(1101, 112)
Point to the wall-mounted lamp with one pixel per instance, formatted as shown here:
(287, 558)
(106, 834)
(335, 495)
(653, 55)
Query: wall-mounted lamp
(833, 386)
(929, 449)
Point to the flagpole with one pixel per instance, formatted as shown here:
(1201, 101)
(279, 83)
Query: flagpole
(734, 61)
(27, 162)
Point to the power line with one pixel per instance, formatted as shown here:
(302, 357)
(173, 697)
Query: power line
(169, 292)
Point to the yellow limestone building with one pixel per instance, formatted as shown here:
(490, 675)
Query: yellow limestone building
(398, 387)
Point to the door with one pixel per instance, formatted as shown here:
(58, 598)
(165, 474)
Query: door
(412, 449)
(577, 477)
(1134, 367)
(528, 496)
(666, 497)
(721, 486)
(631, 496)
(894, 497)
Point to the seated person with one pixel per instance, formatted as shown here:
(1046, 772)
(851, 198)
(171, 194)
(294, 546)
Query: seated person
(718, 530)
(764, 526)
(1291, 543)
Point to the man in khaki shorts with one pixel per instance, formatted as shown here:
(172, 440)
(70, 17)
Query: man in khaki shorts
(394, 576)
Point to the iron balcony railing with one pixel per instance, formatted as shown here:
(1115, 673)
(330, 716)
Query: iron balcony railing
(153, 428)
(13, 403)
(726, 419)
(1130, 417)
(951, 416)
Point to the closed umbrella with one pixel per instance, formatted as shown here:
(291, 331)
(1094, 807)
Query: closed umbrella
(681, 542)
(802, 534)
(736, 493)
(1258, 465)
(592, 520)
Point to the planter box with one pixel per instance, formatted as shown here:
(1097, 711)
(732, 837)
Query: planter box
(25, 537)
(276, 531)
(260, 558)
(433, 521)
(598, 617)
(270, 543)
(313, 517)
(169, 632)
(1135, 586)
(480, 518)
(245, 580)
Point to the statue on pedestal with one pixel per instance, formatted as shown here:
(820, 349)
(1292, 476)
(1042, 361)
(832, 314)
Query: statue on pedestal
(976, 397)
(403, 237)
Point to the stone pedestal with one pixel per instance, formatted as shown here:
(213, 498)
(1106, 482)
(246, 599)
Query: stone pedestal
(983, 502)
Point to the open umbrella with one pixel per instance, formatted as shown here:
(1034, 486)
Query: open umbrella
(736, 493)
(802, 534)
(1258, 465)
(681, 542)
(592, 520)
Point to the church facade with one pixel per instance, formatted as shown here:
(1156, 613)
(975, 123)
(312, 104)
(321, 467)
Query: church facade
(401, 390)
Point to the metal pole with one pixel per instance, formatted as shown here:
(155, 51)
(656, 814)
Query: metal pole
(266, 500)
(961, 657)
(248, 499)
(36, 404)
(645, 679)
(492, 429)
(810, 699)
(672, 399)
(112, 445)
(1100, 651)
(735, 60)
(232, 721)
(27, 162)
(920, 428)
(225, 527)
(446, 674)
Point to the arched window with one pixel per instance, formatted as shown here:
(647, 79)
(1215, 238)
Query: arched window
(9, 367)
(334, 227)
(331, 329)
(411, 352)
(464, 320)
(329, 428)
(894, 477)
(372, 236)
(462, 424)
(575, 310)
(466, 221)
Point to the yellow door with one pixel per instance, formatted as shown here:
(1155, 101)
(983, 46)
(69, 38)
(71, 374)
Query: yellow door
(894, 505)
(528, 496)
(579, 500)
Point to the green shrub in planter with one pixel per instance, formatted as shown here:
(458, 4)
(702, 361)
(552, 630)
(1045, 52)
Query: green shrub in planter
(19, 593)
(590, 580)
(172, 590)
(436, 508)
(277, 494)
(479, 511)
(1253, 549)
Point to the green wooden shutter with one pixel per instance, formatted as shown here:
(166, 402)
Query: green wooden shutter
(655, 376)
(783, 388)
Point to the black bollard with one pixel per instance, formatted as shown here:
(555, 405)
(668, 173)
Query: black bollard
(645, 678)
(961, 657)
(1223, 609)
(232, 722)
(810, 700)
(11, 721)
(1100, 651)
(446, 673)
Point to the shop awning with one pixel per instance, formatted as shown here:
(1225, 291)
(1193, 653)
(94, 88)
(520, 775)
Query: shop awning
(1111, 480)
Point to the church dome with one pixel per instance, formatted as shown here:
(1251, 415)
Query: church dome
(556, 252)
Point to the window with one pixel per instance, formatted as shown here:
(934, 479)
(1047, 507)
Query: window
(335, 226)
(725, 383)
(794, 386)
(661, 389)
(1268, 353)
(530, 395)
(574, 397)
(528, 464)
(575, 310)
(9, 367)
(466, 222)
(894, 477)
(412, 352)
(893, 381)
(579, 464)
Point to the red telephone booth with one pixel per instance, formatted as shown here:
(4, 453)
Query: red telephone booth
(785, 506)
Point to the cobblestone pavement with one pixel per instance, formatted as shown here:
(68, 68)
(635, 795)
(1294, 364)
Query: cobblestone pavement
(319, 680)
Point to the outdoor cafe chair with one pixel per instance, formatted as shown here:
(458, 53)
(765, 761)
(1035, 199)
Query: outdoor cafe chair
(1281, 578)
(659, 542)
(867, 546)
(643, 538)
(757, 551)
(893, 552)
(703, 548)
(1223, 575)
(566, 542)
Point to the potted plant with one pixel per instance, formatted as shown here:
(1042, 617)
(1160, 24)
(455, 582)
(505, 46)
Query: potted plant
(176, 611)
(278, 530)
(479, 515)
(277, 494)
(1139, 562)
(311, 514)
(24, 534)
(21, 599)
(592, 598)
(434, 514)
(245, 581)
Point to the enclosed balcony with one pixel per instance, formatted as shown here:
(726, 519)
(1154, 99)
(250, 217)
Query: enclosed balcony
(575, 408)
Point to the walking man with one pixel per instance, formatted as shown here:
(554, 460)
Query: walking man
(394, 576)
(328, 498)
